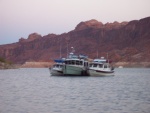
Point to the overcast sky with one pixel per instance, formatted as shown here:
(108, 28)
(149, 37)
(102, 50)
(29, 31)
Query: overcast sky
(19, 18)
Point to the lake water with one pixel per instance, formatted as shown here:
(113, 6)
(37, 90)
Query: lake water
(33, 90)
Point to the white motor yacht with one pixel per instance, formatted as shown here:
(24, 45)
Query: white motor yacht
(56, 69)
(75, 65)
(100, 67)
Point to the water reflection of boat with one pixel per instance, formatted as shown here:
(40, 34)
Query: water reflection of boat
(56, 69)
(100, 67)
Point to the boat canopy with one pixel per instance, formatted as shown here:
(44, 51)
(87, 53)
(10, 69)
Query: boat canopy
(81, 56)
(72, 56)
(59, 60)
(100, 60)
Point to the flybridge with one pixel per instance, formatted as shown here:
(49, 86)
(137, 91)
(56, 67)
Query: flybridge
(100, 60)
(59, 61)
(73, 56)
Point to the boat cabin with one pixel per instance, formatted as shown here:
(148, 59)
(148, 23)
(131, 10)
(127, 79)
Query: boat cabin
(78, 62)
(57, 65)
(99, 65)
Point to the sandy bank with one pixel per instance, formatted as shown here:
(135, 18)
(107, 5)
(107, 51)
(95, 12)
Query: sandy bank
(117, 64)
(133, 64)
(37, 64)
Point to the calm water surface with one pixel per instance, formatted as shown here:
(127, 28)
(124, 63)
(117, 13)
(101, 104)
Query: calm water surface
(35, 91)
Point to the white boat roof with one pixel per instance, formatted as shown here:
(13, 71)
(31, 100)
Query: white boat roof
(96, 63)
(75, 59)
(99, 60)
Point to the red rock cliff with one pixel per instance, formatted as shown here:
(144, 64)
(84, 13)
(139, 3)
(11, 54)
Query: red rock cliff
(127, 41)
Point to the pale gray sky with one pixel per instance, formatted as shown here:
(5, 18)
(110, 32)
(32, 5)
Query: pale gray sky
(19, 18)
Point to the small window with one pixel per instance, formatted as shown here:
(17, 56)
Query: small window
(100, 65)
(66, 62)
(81, 62)
(69, 62)
(73, 62)
(90, 65)
(77, 62)
(85, 64)
(105, 66)
(57, 66)
(54, 66)
(95, 65)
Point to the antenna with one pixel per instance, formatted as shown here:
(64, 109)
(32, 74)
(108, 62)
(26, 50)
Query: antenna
(67, 49)
(67, 41)
(73, 50)
(60, 49)
(97, 53)
(107, 58)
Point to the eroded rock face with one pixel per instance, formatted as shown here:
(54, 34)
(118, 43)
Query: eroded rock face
(31, 37)
(89, 24)
(34, 36)
(124, 42)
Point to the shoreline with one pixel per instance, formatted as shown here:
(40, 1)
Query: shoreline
(115, 64)
(132, 64)
(49, 64)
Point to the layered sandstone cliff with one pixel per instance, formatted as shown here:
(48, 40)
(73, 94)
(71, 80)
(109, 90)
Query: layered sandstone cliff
(124, 42)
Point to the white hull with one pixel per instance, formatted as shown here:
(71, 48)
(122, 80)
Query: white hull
(56, 72)
(93, 72)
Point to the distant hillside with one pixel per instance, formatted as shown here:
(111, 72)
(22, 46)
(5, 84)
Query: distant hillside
(124, 42)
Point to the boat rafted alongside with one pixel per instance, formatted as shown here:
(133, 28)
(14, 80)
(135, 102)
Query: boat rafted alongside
(100, 67)
(75, 65)
(57, 68)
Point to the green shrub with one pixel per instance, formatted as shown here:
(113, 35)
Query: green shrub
(2, 59)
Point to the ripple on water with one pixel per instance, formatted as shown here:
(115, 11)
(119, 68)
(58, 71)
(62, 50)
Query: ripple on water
(35, 91)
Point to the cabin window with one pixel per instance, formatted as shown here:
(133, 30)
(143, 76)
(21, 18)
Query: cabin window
(105, 66)
(66, 62)
(95, 65)
(100, 65)
(77, 62)
(73, 62)
(81, 63)
(70, 62)
(57, 66)
(85, 64)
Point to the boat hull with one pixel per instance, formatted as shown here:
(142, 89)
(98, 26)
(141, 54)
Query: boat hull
(73, 70)
(93, 72)
(56, 72)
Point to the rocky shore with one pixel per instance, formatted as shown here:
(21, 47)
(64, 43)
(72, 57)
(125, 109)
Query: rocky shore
(8, 66)
(116, 64)
(49, 64)
(132, 64)
(37, 64)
